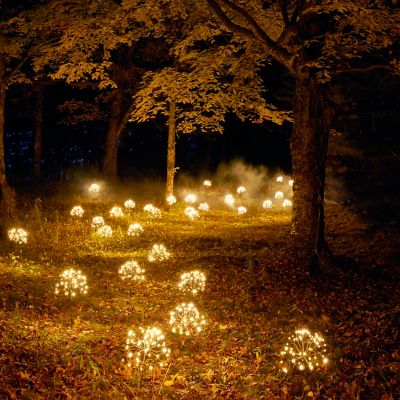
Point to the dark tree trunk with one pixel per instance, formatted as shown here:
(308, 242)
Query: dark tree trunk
(313, 118)
(169, 187)
(7, 194)
(38, 135)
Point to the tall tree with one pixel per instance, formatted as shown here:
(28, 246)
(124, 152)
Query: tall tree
(316, 42)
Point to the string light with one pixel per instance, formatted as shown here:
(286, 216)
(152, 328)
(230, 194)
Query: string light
(304, 351)
(71, 283)
(291, 182)
(279, 179)
(207, 183)
(94, 188)
(131, 271)
(148, 348)
(192, 282)
(286, 203)
(279, 195)
(97, 222)
(129, 204)
(241, 210)
(135, 230)
(190, 198)
(192, 213)
(267, 204)
(77, 211)
(104, 231)
(186, 320)
(203, 207)
(116, 212)
(18, 235)
(171, 199)
(241, 189)
(229, 200)
(152, 211)
(158, 253)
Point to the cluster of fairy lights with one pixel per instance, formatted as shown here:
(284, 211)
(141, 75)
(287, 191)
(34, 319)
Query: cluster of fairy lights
(104, 231)
(191, 199)
(203, 207)
(147, 349)
(171, 199)
(158, 253)
(304, 350)
(97, 222)
(241, 210)
(192, 282)
(135, 230)
(229, 200)
(18, 235)
(117, 212)
(152, 211)
(129, 204)
(94, 188)
(77, 211)
(131, 271)
(186, 319)
(240, 189)
(207, 183)
(72, 282)
(191, 213)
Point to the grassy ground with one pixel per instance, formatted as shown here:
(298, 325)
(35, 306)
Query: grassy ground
(255, 297)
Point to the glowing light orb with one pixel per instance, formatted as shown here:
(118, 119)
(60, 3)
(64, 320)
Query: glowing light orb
(152, 211)
(72, 282)
(131, 271)
(304, 350)
(291, 181)
(279, 195)
(190, 198)
(135, 230)
(171, 199)
(203, 207)
(94, 188)
(229, 200)
(186, 319)
(116, 212)
(267, 204)
(129, 204)
(77, 211)
(279, 179)
(97, 222)
(286, 203)
(192, 282)
(104, 231)
(207, 183)
(18, 235)
(241, 210)
(158, 253)
(146, 349)
(241, 189)
(192, 213)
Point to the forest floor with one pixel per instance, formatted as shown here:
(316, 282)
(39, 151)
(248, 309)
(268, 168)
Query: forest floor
(256, 296)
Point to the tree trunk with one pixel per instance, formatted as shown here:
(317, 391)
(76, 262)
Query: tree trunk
(313, 118)
(114, 130)
(38, 135)
(7, 199)
(169, 187)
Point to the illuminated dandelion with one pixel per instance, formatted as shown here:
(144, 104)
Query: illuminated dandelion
(131, 271)
(148, 348)
(158, 253)
(304, 351)
(104, 231)
(279, 179)
(135, 230)
(207, 183)
(203, 207)
(152, 211)
(77, 211)
(286, 203)
(190, 198)
(192, 282)
(18, 235)
(129, 204)
(279, 195)
(71, 283)
(94, 188)
(186, 319)
(267, 204)
(241, 210)
(241, 189)
(291, 181)
(171, 199)
(116, 212)
(229, 200)
(192, 213)
(97, 222)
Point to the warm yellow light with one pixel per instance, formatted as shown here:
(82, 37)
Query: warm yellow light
(132, 271)
(207, 183)
(279, 179)
(191, 198)
(279, 195)
(94, 188)
(129, 204)
(241, 210)
(152, 211)
(241, 189)
(77, 211)
(104, 231)
(286, 203)
(192, 213)
(203, 207)
(267, 204)
(171, 199)
(71, 283)
(229, 200)
(97, 222)
(18, 235)
(291, 182)
(158, 253)
(192, 282)
(117, 212)
(135, 230)
(186, 320)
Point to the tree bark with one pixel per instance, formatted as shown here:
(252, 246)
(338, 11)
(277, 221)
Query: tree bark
(169, 187)
(7, 200)
(309, 142)
(38, 135)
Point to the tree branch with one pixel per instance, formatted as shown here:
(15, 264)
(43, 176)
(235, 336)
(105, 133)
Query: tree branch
(363, 70)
